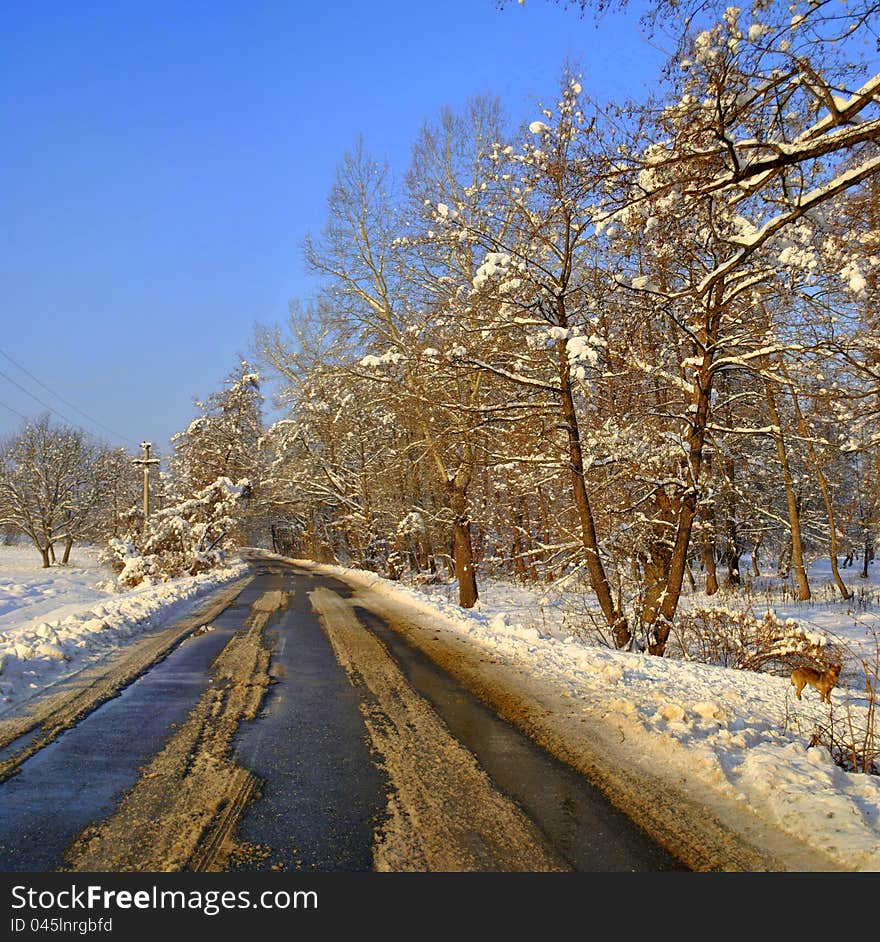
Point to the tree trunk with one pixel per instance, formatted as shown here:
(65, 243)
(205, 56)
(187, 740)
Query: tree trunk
(708, 554)
(67, 548)
(709, 531)
(783, 566)
(462, 547)
(756, 569)
(516, 525)
(547, 573)
(614, 618)
(660, 622)
(794, 517)
(823, 487)
(464, 564)
(732, 553)
(45, 554)
(528, 539)
(654, 570)
(732, 560)
(833, 547)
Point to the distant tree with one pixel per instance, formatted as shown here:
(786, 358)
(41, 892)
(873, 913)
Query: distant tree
(122, 493)
(50, 488)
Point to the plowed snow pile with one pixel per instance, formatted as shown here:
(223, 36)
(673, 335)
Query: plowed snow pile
(54, 622)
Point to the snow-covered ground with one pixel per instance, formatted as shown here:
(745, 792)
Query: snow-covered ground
(54, 622)
(740, 734)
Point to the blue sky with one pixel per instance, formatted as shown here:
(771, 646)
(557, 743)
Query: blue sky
(161, 164)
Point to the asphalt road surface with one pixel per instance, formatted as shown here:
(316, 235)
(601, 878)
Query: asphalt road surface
(299, 731)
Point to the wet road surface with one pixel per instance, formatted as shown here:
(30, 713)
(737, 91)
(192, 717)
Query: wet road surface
(324, 794)
(81, 776)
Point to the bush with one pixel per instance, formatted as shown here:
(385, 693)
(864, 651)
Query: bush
(184, 539)
(739, 640)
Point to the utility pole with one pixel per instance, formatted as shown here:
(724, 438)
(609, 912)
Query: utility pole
(146, 461)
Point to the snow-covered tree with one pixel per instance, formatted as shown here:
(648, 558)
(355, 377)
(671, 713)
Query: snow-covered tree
(183, 539)
(223, 441)
(50, 485)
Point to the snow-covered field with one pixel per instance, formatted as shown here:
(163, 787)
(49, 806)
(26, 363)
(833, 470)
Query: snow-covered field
(54, 622)
(742, 735)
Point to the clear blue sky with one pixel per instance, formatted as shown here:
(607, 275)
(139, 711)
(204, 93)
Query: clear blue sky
(161, 163)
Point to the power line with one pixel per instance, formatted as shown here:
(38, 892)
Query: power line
(21, 415)
(36, 398)
(58, 396)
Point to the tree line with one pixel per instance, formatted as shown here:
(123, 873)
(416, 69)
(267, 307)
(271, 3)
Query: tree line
(619, 348)
(616, 346)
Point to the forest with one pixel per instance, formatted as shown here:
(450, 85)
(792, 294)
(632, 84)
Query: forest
(633, 350)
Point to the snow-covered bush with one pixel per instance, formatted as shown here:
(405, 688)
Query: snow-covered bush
(737, 639)
(184, 539)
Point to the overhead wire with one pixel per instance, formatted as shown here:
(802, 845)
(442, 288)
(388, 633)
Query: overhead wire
(36, 398)
(58, 396)
(61, 398)
(21, 415)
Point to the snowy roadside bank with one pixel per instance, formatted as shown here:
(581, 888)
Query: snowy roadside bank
(43, 642)
(735, 742)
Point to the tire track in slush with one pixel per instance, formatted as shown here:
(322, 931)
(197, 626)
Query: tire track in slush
(173, 818)
(444, 814)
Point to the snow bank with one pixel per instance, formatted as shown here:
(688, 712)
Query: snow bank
(28, 592)
(42, 642)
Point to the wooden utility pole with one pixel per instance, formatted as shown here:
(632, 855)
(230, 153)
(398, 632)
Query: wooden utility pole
(146, 461)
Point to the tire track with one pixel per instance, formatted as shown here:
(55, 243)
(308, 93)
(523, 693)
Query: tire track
(444, 814)
(183, 808)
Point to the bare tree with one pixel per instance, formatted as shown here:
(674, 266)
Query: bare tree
(50, 488)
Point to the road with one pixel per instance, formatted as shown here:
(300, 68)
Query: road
(298, 731)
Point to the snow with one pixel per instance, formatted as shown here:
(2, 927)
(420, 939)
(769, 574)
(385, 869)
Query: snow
(740, 736)
(494, 263)
(582, 349)
(55, 622)
(854, 278)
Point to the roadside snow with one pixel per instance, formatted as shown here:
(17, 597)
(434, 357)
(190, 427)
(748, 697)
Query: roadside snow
(28, 592)
(742, 735)
(54, 622)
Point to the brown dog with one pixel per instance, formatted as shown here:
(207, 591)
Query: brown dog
(823, 681)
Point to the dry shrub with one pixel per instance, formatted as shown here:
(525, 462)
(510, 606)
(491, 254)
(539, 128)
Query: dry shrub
(851, 736)
(739, 640)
